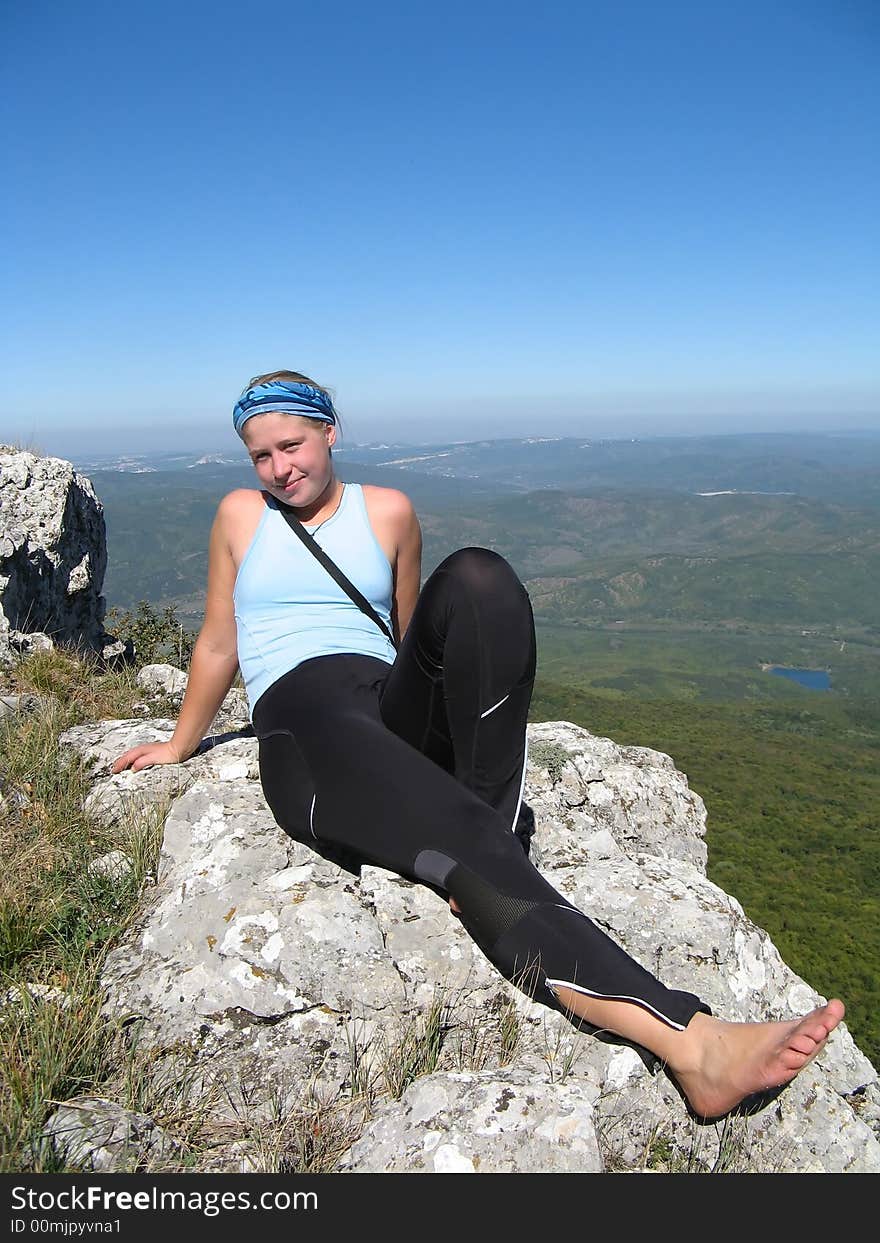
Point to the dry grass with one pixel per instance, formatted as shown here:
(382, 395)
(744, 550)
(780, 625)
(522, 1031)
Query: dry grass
(83, 689)
(58, 920)
(57, 917)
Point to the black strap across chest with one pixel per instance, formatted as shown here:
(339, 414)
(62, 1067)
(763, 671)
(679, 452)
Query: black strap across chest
(332, 568)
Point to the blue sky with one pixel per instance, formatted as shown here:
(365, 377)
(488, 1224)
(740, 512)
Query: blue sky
(466, 219)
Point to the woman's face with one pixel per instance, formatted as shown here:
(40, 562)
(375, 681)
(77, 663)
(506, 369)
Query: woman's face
(290, 455)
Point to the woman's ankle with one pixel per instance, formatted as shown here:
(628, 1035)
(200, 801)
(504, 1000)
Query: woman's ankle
(687, 1049)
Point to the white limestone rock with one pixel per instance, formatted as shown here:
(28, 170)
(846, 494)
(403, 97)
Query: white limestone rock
(95, 1134)
(162, 679)
(488, 1122)
(53, 555)
(583, 786)
(275, 969)
(115, 865)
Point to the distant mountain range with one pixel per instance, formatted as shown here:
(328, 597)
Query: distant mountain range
(842, 467)
(760, 529)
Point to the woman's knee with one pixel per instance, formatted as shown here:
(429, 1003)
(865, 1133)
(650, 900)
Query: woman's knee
(481, 570)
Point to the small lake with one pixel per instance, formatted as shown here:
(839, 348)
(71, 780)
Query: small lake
(813, 679)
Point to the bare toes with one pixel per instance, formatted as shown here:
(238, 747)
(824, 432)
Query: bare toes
(805, 1044)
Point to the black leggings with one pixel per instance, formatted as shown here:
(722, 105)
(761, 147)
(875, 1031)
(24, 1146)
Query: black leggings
(419, 768)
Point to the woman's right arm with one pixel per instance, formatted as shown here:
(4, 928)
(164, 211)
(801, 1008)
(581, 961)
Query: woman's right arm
(214, 661)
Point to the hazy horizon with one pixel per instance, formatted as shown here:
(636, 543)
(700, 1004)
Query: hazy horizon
(204, 436)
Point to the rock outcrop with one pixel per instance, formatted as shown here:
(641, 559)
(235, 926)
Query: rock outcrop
(280, 976)
(53, 556)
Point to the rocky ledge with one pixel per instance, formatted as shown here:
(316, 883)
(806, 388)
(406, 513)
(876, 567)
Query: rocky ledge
(278, 976)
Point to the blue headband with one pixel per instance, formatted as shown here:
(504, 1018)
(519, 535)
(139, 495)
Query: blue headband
(285, 397)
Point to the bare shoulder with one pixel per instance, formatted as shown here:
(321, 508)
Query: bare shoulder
(240, 502)
(238, 516)
(388, 503)
(393, 519)
(239, 506)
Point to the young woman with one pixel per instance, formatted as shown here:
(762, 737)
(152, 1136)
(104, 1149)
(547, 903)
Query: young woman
(414, 759)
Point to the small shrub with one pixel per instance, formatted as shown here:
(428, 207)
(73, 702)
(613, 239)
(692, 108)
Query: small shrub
(549, 755)
(157, 637)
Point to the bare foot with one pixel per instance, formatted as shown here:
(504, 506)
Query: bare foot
(726, 1062)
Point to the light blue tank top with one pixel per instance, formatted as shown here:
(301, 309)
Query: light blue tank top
(288, 608)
